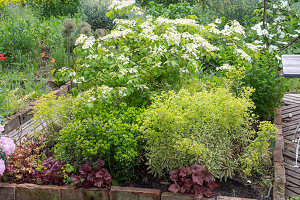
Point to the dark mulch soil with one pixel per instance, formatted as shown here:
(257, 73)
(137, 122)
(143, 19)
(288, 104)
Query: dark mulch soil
(236, 187)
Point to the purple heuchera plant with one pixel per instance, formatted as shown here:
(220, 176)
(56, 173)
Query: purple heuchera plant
(52, 172)
(196, 180)
(89, 176)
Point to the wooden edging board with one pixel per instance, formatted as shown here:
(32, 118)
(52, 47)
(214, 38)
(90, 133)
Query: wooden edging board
(26, 114)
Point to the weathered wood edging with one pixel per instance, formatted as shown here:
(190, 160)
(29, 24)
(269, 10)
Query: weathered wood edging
(26, 114)
(279, 170)
(50, 192)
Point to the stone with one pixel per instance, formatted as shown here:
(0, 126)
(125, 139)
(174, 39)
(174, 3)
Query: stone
(290, 115)
(279, 129)
(279, 142)
(175, 196)
(37, 192)
(278, 116)
(7, 191)
(132, 193)
(232, 198)
(278, 155)
(72, 193)
(278, 191)
(279, 173)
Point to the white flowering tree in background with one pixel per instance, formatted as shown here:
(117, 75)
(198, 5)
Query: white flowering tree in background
(278, 26)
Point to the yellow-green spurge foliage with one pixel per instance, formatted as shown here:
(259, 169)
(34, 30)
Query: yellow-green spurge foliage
(211, 128)
(15, 2)
(85, 128)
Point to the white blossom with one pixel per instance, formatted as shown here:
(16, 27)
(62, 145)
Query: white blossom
(81, 39)
(105, 89)
(224, 66)
(243, 54)
(218, 21)
(123, 59)
(272, 48)
(118, 5)
(252, 46)
(88, 43)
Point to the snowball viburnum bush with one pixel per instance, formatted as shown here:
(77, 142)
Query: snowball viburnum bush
(7, 147)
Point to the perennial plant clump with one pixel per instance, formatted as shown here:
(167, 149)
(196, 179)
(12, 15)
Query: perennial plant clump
(196, 180)
(208, 126)
(92, 174)
(7, 147)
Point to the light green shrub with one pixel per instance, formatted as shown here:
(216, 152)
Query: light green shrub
(207, 127)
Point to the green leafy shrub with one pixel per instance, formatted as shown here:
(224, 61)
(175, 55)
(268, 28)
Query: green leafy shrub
(48, 8)
(164, 2)
(54, 112)
(173, 11)
(111, 134)
(256, 153)
(95, 13)
(207, 127)
(268, 84)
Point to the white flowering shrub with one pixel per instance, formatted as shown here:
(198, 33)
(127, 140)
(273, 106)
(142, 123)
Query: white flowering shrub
(280, 28)
(141, 56)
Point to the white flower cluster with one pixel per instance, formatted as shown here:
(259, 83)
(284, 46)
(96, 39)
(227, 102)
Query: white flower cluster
(225, 66)
(80, 80)
(204, 43)
(158, 50)
(105, 89)
(243, 54)
(119, 5)
(123, 59)
(184, 22)
(89, 42)
(147, 31)
(126, 22)
(92, 56)
(122, 92)
(213, 28)
(262, 32)
(235, 27)
(282, 4)
(172, 36)
(252, 46)
(273, 48)
(128, 71)
(81, 39)
(117, 34)
(142, 87)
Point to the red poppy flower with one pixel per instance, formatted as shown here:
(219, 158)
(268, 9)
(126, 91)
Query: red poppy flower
(53, 60)
(1, 55)
(42, 55)
(2, 58)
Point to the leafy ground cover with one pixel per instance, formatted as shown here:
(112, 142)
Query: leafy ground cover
(162, 92)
